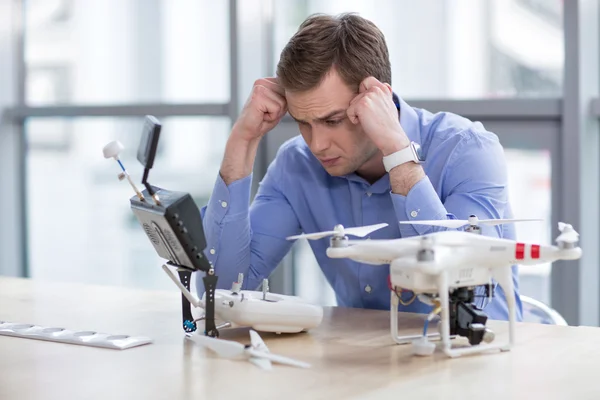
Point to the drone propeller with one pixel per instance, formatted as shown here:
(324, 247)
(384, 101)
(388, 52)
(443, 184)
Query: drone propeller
(473, 221)
(448, 239)
(224, 348)
(568, 234)
(340, 231)
(235, 350)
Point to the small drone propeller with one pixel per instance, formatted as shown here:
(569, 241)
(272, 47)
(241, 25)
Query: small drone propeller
(473, 221)
(235, 350)
(276, 358)
(224, 348)
(568, 234)
(340, 231)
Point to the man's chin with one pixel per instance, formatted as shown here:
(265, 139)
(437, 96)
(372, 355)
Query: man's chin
(337, 170)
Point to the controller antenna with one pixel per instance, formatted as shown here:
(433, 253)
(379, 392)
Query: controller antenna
(112, 150)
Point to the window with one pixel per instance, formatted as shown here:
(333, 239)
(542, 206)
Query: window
(80, 225)
(123, 51)
(529, 174)
(465, 49)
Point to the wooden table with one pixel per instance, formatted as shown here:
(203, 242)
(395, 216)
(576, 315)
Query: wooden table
(351, 352)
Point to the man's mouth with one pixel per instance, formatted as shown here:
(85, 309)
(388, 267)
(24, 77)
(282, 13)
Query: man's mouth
(329, 162)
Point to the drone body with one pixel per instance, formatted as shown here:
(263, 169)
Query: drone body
(268, 312)
(443, 269)
(262, 311)
(465, 258)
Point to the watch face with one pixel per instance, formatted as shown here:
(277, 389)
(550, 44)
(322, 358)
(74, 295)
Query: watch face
(418, 152)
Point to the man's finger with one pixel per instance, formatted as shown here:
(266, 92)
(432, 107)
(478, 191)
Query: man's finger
(352, 112)
(272, 109)
(389, 88)
(370, 82)
(274, 96)
(357, 98)
(273, 84)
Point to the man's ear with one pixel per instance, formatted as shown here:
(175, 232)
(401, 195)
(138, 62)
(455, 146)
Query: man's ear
(387, 85)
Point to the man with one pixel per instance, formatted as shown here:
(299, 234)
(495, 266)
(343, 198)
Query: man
(334, 79)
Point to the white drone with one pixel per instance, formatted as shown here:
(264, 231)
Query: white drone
(257, 352)
(263, 311)
(438, 265)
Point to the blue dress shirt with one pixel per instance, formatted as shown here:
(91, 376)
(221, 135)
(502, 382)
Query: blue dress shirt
(465, 174)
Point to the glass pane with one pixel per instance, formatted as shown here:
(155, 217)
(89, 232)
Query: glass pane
(80, 225)
(530, 196)
(456, 48)
(309, 281)
(529, 174)
(123, 51)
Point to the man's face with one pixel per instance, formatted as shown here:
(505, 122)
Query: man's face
(341, 146)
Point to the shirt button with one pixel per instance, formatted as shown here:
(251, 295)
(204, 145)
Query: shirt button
(223, 204)
(368, 289)
(414, 214)
(212, 251)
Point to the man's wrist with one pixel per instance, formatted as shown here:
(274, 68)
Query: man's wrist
(398, 141)
(393, 147)
(405, 176)
(238, 160)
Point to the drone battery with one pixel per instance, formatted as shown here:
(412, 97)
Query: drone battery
(174, 227)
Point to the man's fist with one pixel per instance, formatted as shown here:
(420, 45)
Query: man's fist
(263, 110)
(376, 112)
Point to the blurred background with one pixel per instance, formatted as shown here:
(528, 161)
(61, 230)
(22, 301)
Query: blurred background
(80, 73)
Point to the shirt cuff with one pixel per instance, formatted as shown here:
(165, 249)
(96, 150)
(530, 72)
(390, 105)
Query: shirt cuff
(231, 202)
(421, 203)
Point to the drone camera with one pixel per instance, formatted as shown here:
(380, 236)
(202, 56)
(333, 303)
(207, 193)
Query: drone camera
(466, 319)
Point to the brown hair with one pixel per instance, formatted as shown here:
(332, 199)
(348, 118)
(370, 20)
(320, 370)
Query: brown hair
(348, 42)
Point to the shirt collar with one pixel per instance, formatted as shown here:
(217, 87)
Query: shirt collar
(409, 120)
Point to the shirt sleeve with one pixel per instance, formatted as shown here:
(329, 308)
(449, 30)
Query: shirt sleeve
(475, 183)
(248, 238)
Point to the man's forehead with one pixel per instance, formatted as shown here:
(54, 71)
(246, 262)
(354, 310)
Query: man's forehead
(308, 107)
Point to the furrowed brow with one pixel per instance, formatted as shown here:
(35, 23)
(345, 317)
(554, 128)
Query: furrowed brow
(332, 114)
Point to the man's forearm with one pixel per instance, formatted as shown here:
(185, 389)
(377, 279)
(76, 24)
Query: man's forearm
(239, 157)
(404, 177)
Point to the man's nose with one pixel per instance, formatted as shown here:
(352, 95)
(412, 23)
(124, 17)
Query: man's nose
(320, 141)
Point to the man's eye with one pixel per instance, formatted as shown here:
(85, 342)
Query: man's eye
(333, 122)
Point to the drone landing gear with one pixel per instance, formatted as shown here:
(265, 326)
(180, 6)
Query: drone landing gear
(459, 317)
(394, 324)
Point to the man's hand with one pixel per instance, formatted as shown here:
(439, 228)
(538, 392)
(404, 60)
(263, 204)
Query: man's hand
(263, 110)
(375, 110)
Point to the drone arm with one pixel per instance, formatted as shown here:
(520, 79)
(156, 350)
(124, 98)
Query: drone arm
(533, 253)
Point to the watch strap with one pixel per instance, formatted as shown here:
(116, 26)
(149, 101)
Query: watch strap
(398, 158)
